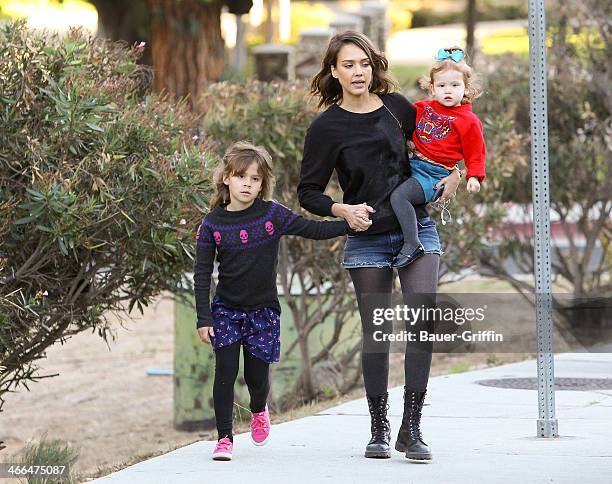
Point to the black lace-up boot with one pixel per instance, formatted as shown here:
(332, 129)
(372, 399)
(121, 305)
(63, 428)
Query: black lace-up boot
(409, 438)
(378, 446)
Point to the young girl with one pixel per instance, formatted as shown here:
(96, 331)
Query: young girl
(447, 131)
(243, 230)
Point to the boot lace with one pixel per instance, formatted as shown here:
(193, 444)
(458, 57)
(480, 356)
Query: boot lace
(378, 410)
(414, 426)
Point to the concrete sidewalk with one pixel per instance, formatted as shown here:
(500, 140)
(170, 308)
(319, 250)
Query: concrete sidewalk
(477, 434)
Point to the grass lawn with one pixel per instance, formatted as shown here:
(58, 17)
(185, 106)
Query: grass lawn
(514, 40)
(408, 75)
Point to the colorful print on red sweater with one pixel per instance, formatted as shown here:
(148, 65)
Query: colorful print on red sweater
(433, 125)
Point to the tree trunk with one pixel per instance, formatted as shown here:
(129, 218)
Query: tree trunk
(307, 385)
(187, 45)
(470, 27)
(128, 21)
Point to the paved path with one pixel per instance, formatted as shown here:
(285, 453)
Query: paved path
(477, 434)
(419, 46)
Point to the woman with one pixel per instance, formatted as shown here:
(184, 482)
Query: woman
(362, 136)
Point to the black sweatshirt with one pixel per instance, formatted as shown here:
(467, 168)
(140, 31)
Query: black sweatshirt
(246, 243)
(368, 152)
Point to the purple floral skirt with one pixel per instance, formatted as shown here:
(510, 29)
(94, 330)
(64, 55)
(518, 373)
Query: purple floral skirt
(258, 330)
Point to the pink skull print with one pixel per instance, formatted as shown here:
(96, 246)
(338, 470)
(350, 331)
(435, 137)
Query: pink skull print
(269, 226)
(244, 236)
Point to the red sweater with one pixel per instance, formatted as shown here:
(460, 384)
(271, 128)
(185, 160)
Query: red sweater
(448, 135)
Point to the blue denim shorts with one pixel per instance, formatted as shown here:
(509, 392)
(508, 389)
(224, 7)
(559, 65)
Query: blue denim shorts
(428, 175)
(378, 250)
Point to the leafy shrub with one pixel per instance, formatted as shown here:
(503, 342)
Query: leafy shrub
(100, 186)
(50, 453)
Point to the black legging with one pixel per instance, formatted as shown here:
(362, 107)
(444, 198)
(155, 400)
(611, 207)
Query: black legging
(373, 289)
(256, 371)
(403, 200)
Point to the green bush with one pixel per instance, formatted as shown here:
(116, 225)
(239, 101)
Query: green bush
(275, 115)
(50, 453)
(100, 186)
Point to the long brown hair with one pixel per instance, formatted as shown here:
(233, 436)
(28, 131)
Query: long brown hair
(329, 89)
(236, 161)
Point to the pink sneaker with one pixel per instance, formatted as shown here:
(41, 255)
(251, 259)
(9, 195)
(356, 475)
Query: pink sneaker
(260, 427)
(223, 449)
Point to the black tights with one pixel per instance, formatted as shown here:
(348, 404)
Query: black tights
(373, 286)
(256, 371)
(403, 200)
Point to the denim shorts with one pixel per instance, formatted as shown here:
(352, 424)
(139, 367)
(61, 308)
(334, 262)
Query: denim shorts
(378, 250)
(428, 175)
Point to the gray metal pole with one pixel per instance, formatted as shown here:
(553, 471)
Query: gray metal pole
(547, 423)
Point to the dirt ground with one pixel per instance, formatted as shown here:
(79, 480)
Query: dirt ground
(105, 404)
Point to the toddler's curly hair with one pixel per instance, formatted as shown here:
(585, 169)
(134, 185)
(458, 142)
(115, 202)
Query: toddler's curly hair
(470, 79)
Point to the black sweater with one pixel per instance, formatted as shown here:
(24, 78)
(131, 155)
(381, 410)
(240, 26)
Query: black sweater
(246, 244)
(368, 152)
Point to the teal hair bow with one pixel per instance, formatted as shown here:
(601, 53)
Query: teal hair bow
(455, 55)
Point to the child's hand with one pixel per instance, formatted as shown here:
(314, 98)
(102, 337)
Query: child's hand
(205, 333)
(473, 185)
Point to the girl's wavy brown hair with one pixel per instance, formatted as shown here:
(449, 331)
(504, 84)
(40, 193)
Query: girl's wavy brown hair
(236, 161)
(329, 89)
(472, 84)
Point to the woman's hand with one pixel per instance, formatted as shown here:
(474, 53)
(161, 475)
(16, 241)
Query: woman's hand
(205, 333)
(355, 215)
(451, 183)
(410, 149)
